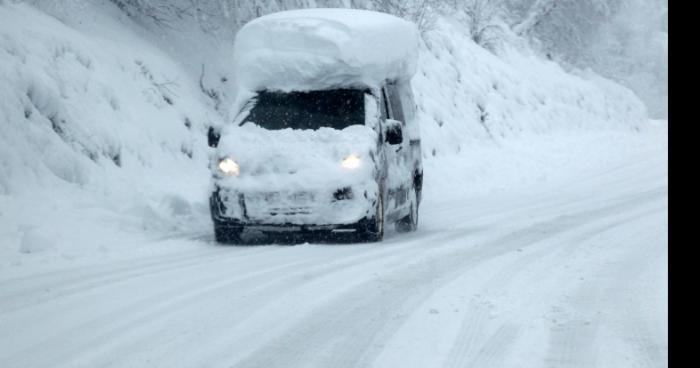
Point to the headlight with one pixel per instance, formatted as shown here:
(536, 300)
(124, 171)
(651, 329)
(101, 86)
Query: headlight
(351, 162)
(229, 167)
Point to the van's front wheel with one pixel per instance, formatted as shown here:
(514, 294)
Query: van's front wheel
(372, 230)
(227, 234)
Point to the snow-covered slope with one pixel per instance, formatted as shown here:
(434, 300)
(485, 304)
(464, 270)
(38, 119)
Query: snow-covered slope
(97, 124)
(466, 95)
(103, 129)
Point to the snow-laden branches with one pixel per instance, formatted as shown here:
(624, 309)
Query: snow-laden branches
(538, 10)
(154, 11)
(420, 12)
(481, 17)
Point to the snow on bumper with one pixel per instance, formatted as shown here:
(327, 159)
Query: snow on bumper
(321, 207)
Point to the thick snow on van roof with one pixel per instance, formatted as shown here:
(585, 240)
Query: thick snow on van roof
(322, 48)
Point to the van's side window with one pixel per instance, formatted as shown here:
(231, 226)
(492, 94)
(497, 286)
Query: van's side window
(395, 103)
(407, 102)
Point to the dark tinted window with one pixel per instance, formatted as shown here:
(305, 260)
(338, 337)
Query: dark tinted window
(336, 109)
(407, 102)
(384, 107)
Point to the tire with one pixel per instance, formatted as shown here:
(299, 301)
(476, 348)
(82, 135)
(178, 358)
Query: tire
(227, 234)
(372, 230)
(409, 222)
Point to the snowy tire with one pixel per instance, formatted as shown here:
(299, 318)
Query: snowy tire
(227, 235)
(372, 230)
(409, 222)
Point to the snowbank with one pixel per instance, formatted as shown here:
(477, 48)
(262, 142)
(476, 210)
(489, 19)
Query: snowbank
(318, 48)
(469, 96)
(102, 133)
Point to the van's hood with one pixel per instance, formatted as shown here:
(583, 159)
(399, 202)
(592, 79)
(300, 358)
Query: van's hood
(291, 159)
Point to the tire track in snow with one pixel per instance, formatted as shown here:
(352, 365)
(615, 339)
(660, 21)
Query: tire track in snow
(478, 313)
(576, 336)
(611, 307)
(336, 280)
(22, 292)
(412, 289)
(466, 344)
(111, 319)
(339, 329)
(161, 304)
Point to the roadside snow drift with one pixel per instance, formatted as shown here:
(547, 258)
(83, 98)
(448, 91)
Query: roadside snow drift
(101, 133)
(469, 96)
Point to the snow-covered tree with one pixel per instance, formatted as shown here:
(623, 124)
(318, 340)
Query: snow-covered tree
(480, 16)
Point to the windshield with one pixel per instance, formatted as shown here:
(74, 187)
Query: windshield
(337, 109)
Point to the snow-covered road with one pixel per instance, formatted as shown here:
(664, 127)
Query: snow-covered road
(573, 275)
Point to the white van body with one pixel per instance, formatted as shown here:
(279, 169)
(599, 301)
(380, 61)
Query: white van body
(325, 140)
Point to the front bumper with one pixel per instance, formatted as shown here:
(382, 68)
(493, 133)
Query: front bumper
(336, 209)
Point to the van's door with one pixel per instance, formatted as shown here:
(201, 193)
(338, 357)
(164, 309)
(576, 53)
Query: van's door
(399, 175)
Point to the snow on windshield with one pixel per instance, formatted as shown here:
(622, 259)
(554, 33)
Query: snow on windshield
(335, 109)
(315, 49)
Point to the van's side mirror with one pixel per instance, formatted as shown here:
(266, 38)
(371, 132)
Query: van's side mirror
(392, 132)
(213, 137)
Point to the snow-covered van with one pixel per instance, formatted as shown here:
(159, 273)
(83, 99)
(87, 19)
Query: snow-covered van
(326, 138)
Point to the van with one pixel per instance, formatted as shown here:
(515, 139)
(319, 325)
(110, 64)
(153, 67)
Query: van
(326, 139)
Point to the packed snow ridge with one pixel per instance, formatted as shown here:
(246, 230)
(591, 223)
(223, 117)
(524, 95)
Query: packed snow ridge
(316, 48)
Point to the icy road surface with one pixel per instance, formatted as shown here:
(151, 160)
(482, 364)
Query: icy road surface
(572, 275)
